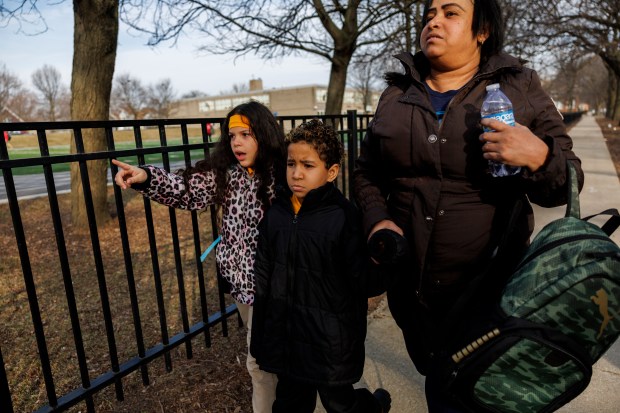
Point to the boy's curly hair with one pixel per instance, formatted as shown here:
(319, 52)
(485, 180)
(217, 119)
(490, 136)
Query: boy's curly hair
(323, 138)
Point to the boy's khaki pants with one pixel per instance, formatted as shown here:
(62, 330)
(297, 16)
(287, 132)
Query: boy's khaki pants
(263, 383)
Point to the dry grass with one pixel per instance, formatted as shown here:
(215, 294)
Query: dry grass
(215, 380)
(62, 137)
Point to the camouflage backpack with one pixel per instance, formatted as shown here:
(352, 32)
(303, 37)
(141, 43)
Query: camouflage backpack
(559, 312)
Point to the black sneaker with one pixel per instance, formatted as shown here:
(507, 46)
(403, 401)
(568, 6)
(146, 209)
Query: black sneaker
(384, 399)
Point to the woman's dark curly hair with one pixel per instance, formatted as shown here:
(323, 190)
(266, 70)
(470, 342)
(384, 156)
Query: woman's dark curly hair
(271, 156)
(323, 138)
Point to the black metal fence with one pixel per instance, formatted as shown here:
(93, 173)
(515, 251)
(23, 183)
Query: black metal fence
(60, 346)
(82, 291)
(572, 117)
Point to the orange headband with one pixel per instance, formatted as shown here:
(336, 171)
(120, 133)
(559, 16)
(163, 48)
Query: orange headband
(238, 120)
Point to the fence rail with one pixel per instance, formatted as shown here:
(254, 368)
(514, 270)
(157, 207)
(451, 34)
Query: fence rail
(195, 319)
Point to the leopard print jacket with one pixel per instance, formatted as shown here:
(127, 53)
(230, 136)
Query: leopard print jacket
(241, 213)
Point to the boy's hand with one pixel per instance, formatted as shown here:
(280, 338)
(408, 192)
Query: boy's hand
(128, 174)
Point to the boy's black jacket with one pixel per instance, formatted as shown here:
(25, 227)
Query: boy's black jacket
(311, 302)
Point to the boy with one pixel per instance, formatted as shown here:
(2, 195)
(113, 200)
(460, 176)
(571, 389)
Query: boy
(310, 304)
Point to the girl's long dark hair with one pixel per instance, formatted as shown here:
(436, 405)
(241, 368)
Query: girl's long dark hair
(271, 156)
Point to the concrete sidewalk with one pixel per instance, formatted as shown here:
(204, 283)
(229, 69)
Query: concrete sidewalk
(387, 362)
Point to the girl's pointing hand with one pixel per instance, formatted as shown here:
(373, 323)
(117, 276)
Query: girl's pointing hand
(128, 174)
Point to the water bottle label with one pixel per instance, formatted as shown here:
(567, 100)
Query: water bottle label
(499, 169)
(508, 117)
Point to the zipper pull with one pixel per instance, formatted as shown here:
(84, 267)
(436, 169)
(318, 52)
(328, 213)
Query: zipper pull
(295, 219)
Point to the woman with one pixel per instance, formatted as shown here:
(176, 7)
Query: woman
(423, 168)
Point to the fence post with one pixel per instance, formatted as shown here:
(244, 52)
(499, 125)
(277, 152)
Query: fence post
(5, 392)
(351, 147)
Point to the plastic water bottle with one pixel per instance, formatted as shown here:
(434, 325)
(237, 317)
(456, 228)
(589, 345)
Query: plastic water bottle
(496, 105)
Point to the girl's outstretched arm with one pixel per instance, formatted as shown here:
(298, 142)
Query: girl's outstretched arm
(128, 174)
(172, 189)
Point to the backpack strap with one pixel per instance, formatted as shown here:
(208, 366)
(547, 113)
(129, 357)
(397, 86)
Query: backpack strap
(612, 223)
(573, 210)
(572, 205)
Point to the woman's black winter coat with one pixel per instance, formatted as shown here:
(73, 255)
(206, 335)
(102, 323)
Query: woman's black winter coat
(310, 304)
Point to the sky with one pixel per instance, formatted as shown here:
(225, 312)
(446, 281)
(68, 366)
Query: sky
(181, 63)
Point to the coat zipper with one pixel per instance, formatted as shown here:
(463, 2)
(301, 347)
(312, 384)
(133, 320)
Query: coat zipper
(464, 90)
(290, 281)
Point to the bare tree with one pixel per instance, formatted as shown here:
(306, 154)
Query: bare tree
(518, 40)
(592, 80)
(63, 109)
(161, 95)
(411, 14)
(591, 25)
(236, 88)
(24, 104)
(193, 94)
(364, 79)
(240, 87)
(129, 97)
(332, 30)
(95, 36)
(10, 85)
(408, 22)
(567, 68)
(47, 81)
(613, 96)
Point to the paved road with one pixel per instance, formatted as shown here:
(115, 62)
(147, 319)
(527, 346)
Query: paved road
(33, 186)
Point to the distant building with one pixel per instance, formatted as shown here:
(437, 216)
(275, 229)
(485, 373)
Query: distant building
(297, 100)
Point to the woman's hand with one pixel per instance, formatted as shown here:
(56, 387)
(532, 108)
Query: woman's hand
(513, 145)
(386, 224)
(128, 174)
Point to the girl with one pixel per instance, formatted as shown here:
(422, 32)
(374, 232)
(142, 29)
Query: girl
(240, 176)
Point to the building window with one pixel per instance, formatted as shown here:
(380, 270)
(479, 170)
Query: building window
(321, 95)
(351, 98)
(223, 104)
(206, 106)
(264, 99)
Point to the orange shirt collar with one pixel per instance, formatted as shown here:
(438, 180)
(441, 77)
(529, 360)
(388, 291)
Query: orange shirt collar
(296, 203)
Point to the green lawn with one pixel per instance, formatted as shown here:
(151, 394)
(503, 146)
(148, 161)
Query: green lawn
(25, 153)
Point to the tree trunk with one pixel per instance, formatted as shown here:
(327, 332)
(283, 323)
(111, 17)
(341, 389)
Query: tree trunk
(337, 84)
(94, 53)
(612, 63)
(615, 106)
(613, 109)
